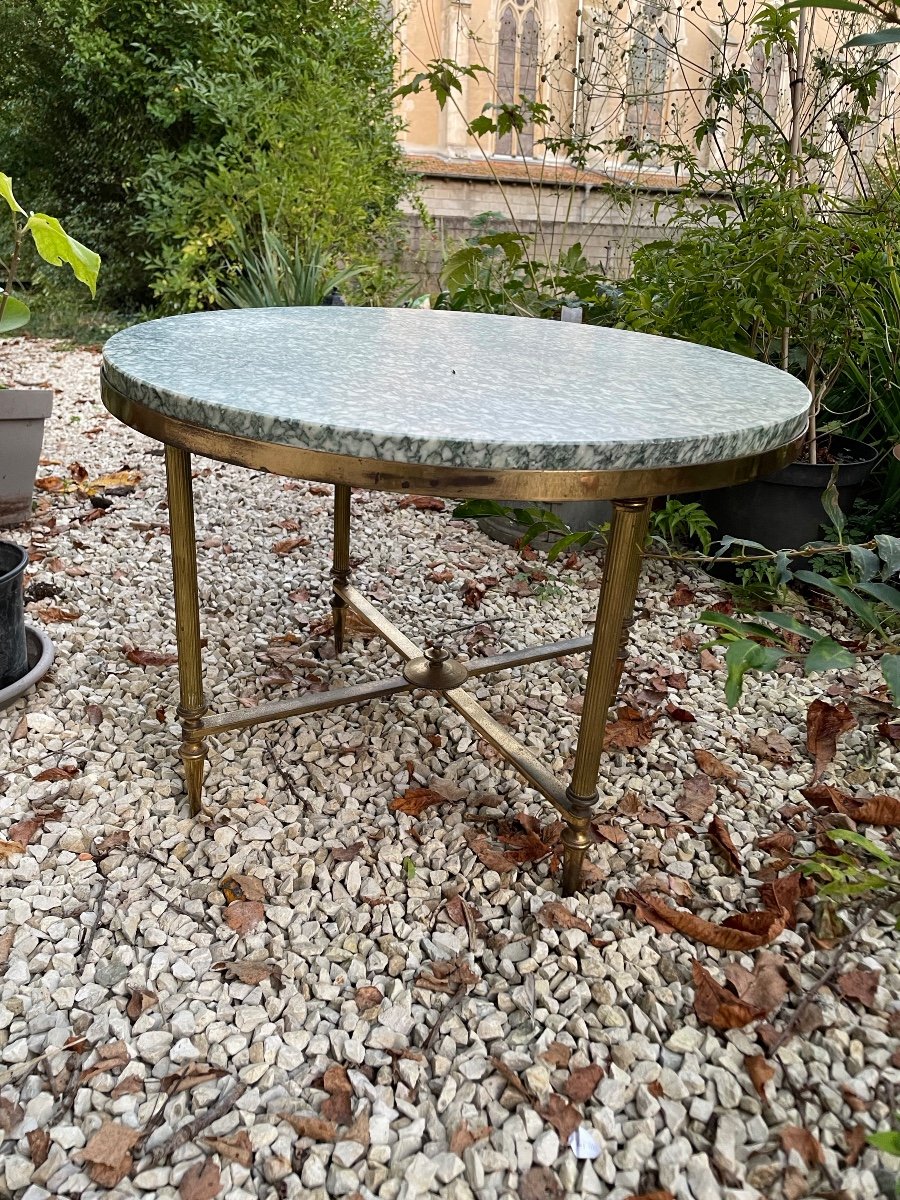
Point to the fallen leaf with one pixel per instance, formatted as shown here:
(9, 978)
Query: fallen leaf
(448, 975)
(853, 1100)
(56, 774)
(38, 1145)
(679, 714)
(721, 839)
(630, 730)
(539, 1183)
(771, 747)
(77, 472)
(698, 793)
(523, 839)
(347, 853)
(557, 1054)
(744, 931)
(709, 661)
(10, 1114)
(609, 833)
(93, 714)
(244, 915)
(140, 1000)
(250, 972)
(286, 545)
(801, 1140)
(716, 1005)
(115, 479)
(871, 810)
(201, 1182)
(554, 914)
(764, 987)
(368, 997)
(111, 1057)
(782, 842)
(856, 1141)
(236, 1147)
(422, 503)
(54, 615)
(562, 1115)
(21, 729)
(6, 944)
(783, 895)
(682, 596)
(415, 801)
(312, 1127)
(760, 1073)
(860, 985)
(50, 483)
(128, 1085)
(108, 1153)
(242, 887)
(714, 767)
(824, 725)
(581, 1084)
(189, 1076)
(490, 856)
(657, 1195)
(892, 734)
(463, 1137)
(337, 1107)
(794, 1184)
(23, 831)
(150, 658)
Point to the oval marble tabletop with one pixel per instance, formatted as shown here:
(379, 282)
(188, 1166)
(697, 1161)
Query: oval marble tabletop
(456, 389)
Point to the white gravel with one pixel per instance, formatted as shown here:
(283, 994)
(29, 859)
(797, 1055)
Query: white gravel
(674, 1109)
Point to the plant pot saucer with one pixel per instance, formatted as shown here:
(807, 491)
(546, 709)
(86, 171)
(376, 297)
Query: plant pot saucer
(41, 653)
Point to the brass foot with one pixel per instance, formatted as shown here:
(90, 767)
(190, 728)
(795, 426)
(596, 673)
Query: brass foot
(193, 755)
(575, 839)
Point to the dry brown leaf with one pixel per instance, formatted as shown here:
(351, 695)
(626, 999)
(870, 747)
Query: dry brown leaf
(677, 713)
(108, 1153)
(745, 931)
(562, 1115)
(242, 887)
(581, 1084)
(760, 1073)
(554, 914)
(368, 997)
(23, 831)
(889, 731)
(127, 1086)
(56, 774)
(150, 658)
(856, 1141)
(557, 1054)
(244, 915)
(415, 801)
(630, 731)
(38, 1145)
(660, 1194)
(721, 839)
(286, 545)
(93, 714)
(764, 987)
(539, 1183)
(139, 1001)
(783, 895)
(682, 596)
(115, 841)
(447, 975)
(201, 1182)
(236, 1147)
(824, 725)
(697, 795)
(860, 985)
(490, 856)
(50, 483)
(337, 1107)
(609, 833)
(714, 767)
(10, 1114)
(53, 614)
(422, 503)
(523, 838)
(794, 1184)
(312, 1127)
(771, 747)
(347, 853)
(115, 479)
(463, 1137)
(871, 810)
(6, 944)
(716, 1005)
(782, 842)
(801, 1140)
(189, 1076)
(709, 661)
(250, 971)
(111, 1057)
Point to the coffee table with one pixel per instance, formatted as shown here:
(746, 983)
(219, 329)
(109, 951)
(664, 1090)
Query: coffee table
(454, 405)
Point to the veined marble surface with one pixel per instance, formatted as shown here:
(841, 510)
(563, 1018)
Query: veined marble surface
(456, 389)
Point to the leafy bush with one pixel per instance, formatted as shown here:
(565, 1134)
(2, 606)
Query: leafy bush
(161, 128)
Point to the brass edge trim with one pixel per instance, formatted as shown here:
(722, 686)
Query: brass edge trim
(454, 482)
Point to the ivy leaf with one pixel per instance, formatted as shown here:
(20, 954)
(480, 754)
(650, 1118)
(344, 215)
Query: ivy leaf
(56, 247)
(828, 655)
(15, 314)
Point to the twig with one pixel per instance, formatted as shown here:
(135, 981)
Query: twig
(88, 941)
(11, 1072)
(183, 912)
(187, 1133)
(283, 775)
(807, 1000)
(455, 1000)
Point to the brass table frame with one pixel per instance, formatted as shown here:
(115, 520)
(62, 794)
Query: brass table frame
(575, 802)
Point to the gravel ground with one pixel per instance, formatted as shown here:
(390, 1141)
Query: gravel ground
(138, 947)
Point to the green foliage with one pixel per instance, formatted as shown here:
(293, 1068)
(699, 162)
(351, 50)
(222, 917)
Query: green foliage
(681, 523)
(54, 246)
(441, 77)
(853, 867)
(164, 128)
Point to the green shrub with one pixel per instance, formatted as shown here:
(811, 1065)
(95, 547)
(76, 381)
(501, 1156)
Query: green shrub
(159, 128)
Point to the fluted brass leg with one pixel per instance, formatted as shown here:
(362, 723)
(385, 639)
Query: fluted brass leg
(340, 561)
(191, 705)
(614, 615)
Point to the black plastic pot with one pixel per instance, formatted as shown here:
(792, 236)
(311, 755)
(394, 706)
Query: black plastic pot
(784, 511)
(13, 649)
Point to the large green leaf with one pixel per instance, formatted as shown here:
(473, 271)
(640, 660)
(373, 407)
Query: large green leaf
(866, 562)
(791, 624)
(890, 669)
(889, 550)
(733, 625)
(831, 502)
(480, 508)
(883, 37)
(7, 193)
(888, 1141)
(828, 655)
(15, 314)
(884, 593)
(56, 247)
(856, 604)
(743, 656)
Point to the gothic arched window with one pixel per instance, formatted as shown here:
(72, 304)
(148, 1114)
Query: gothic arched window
(518, 54)
(645, 87)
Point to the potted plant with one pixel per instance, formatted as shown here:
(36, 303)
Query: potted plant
(22, 416)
